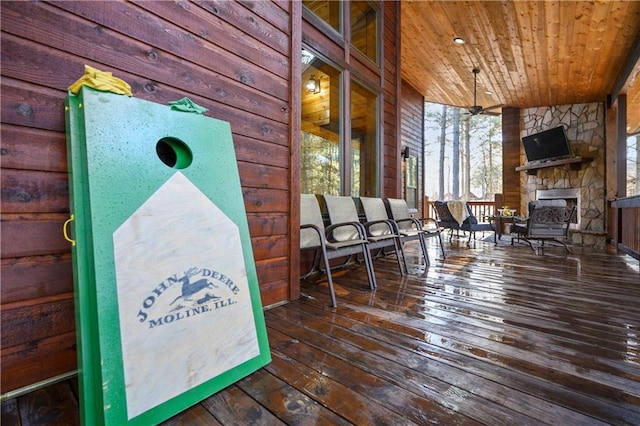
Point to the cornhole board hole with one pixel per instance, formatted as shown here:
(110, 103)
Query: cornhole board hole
(168, 308)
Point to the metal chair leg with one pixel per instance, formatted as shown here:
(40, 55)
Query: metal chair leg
(425, 253)
(329, 279)
(369, 265)
(404, 269)
(444, 256)
(332, 292)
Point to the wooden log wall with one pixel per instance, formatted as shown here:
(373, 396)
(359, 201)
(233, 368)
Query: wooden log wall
(412, 132)
(391, 95)
(234, 58)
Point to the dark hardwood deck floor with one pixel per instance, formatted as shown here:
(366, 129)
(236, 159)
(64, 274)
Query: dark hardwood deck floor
(493, 335)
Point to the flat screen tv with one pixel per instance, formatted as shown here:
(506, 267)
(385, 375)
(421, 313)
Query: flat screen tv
(551, 144)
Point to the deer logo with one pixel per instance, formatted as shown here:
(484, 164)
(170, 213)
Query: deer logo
(190, 290)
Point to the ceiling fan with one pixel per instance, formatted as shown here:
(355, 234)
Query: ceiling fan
(478, 109)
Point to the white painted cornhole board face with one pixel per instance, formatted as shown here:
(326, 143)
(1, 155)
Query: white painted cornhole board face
(182, 293)
(168, 305)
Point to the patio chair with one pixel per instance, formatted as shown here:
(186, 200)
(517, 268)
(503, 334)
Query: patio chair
(411, 228)
(470, 223)
(343, 209)
(548, 220)
(335, 241)
(444, 218)
(382, 232)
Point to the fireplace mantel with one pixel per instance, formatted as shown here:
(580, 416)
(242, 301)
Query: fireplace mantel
(573, 162)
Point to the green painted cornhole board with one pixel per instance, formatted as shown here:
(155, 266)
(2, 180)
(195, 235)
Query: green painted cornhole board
(168, 308)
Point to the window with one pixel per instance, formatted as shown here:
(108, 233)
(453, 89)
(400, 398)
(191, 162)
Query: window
(411, 182)
(329, 11)
(631, 101)
(633, 165)
(321, 127)
(340, 108)
(364, 28)
(364, 141)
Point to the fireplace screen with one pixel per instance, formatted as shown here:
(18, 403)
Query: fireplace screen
(570, 195)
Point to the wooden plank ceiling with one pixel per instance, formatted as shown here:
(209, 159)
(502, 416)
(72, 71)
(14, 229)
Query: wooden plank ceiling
(529, 53)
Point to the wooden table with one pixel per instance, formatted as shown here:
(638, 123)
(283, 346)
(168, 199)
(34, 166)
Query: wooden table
(498, 223)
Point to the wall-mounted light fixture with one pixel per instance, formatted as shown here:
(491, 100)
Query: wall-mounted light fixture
(313, 85)
(405, 152)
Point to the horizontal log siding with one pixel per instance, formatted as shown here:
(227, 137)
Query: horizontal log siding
(232, 58)
(411, 129)
(390, 90)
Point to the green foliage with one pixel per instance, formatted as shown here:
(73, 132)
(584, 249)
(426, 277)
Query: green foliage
(320, 159)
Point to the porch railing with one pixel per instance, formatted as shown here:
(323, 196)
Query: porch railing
(480, 209)
(626, 225)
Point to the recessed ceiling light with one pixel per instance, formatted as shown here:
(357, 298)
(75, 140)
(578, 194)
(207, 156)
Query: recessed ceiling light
(488, 92)
(459, 40)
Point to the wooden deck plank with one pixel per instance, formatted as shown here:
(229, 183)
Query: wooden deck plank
(614, 382)
(492, 335)
(9, 414)
(460, 368)
(417, 371)
(286, 402)
(357, 408)
(362, 379)
(53, 405)
(520, 327)
(233, 406)
(193, 416)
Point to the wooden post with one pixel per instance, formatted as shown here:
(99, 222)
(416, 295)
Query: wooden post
(511, 179)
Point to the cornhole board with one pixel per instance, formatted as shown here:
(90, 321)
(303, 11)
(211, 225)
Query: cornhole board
(168, 308)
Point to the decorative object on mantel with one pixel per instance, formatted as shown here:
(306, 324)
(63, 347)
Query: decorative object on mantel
(574, 162)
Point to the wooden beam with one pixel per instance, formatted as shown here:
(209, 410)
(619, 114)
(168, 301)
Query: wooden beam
(294, 141)
(621, 148)
(626, 70)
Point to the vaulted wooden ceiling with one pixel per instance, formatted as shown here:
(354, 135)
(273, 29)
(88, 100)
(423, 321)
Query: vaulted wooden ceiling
(529, 53)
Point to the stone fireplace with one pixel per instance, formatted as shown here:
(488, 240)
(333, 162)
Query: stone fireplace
(582, 183)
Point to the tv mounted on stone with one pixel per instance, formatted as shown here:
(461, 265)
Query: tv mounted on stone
(548, 145)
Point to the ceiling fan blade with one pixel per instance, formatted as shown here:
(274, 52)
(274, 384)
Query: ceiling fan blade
(493, 107)
(488, 110)
(492, 113)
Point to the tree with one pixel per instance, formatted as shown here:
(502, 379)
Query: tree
(633, 165)
(476, 165)
(466, 158)
(488, 171)
(455, 157)
(443, 140)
